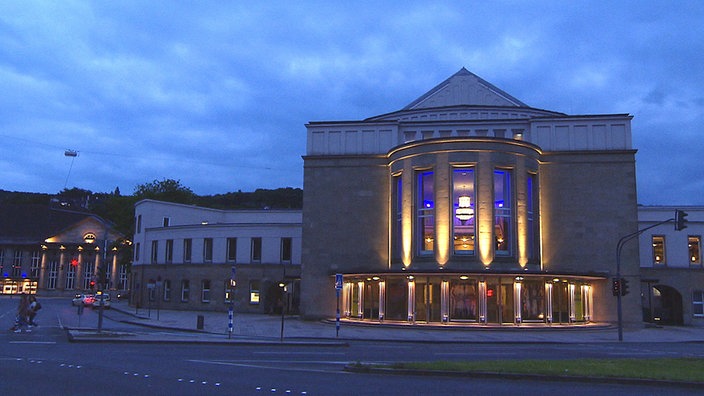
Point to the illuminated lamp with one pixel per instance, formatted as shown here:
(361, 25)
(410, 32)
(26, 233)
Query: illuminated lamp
(464, 211)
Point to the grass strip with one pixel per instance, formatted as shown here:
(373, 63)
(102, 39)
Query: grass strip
(671, 369)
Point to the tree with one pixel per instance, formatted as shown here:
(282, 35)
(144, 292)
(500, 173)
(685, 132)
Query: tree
(168, 190)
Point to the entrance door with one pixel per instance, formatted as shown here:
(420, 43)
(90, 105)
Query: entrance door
(427, 301)
(371, 300)
(560, 303)
(506, 296)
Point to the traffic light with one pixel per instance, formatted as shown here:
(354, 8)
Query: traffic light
(680, 220)
(616, 286)
(624, 286)
(92, 285)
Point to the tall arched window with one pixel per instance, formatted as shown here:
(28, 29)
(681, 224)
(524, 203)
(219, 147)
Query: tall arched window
(463, 210)
(425, 202)
(502, 212)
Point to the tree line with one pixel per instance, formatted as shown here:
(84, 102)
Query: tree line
(119, 209)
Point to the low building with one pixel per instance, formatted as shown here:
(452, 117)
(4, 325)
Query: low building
(187, 257)
(59, 252)
(672, 276)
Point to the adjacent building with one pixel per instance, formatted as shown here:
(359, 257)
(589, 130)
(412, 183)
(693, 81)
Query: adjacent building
(59, 251)
(189, 257)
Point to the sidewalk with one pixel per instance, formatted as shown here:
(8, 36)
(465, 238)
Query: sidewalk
(182, 326)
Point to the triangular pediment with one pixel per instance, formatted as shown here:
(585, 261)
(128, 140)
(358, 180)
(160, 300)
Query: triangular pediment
(464, 88)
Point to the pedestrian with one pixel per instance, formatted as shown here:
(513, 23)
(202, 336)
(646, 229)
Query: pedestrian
(34, 306)
(21, 321)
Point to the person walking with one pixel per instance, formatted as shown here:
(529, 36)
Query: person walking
(21, 321)
(34, 307)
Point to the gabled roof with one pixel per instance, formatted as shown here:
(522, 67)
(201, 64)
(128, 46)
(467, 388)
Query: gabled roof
(34, 223)
(464, 88)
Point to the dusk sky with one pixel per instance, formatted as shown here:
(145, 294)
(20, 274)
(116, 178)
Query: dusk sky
(216, 94)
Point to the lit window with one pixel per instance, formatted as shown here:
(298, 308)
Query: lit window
(426, 213)
(254, 292)
(658, 249)
(502, 212)
(464, 210)
(694, 247)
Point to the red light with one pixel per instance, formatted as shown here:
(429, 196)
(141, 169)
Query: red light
(74, 262)
(490, 293)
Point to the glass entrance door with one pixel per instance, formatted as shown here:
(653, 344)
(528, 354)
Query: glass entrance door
(427, 300)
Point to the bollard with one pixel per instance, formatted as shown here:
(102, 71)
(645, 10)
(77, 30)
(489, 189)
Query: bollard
(200, 323)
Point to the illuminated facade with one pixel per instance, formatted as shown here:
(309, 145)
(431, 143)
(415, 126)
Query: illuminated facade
(58, 252)
(469, 206)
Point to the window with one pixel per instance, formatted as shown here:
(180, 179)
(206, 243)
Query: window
(155, 251)
(425, 237)
(232, 249)
(187, 250)
(254, 292)
(70, 277)
(694, 244)
(286, 250)
(36, 264)
(205, 291)
(53, 274)
(463, 210)
(530, 212)
(502, 212)
(256, 250)
(17, 263)
(122, 277)
(398, 200)
(169, 253)
(185, 290)
(228, 291)
(88, 267)
(658, 249)
(139, 224)
(207, 249)
(136, 251)
(167, 290)
(167, 222)
(698, 303)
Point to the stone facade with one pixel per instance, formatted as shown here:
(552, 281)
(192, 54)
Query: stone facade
(540, 250)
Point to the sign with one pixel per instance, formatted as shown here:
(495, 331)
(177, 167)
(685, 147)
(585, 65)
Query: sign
(338, 281)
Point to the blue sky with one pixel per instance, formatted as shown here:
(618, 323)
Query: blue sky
(216, 94)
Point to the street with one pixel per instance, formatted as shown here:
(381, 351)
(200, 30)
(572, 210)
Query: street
(44, 362)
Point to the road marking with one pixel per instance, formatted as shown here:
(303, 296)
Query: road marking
(271, 367)
(298, 353)
(32, 342)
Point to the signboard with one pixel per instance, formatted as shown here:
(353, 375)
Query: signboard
(338, 281)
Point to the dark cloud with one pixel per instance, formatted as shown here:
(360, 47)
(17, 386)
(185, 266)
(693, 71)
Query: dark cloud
(217, 94)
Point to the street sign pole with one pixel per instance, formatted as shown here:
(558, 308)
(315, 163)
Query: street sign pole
(231, 309)
(338, 287)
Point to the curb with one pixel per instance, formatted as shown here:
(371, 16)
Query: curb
(523, 376)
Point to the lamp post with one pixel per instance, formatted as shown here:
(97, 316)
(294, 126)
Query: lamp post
(282, 285)
(101, 280)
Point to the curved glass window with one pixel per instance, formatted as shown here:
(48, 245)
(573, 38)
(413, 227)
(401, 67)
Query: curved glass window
(502, 212)
(463, 215)
(426, 213)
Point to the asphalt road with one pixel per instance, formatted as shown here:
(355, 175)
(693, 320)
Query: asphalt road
(44, 362)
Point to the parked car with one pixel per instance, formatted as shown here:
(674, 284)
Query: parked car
(85, 299)
(101, 299)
